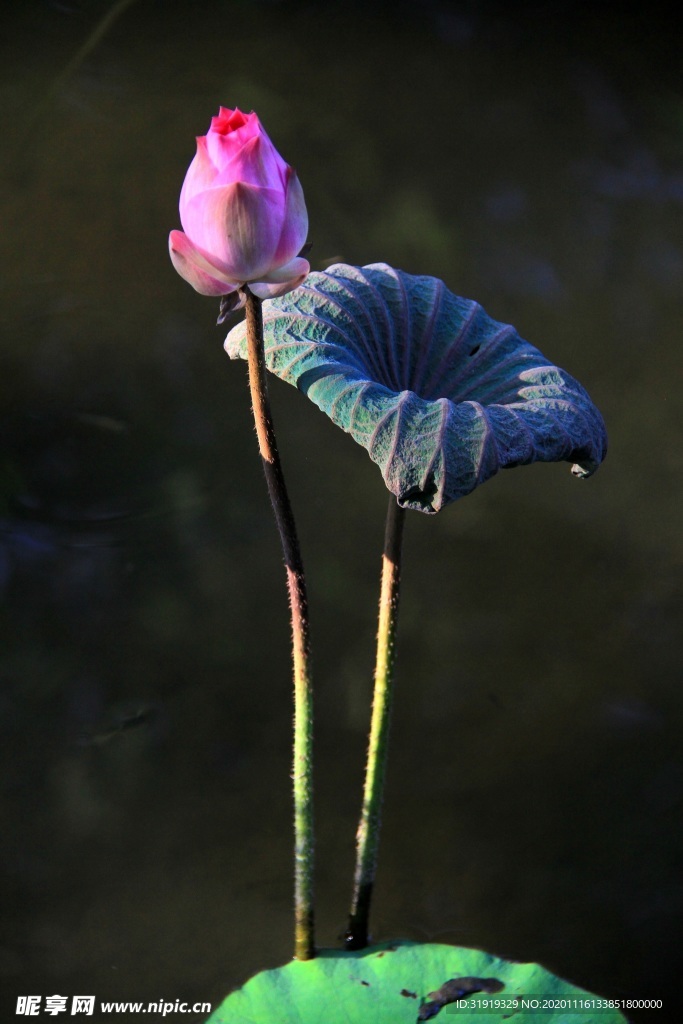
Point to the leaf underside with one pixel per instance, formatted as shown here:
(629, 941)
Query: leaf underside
(439, 394)
(405, 983)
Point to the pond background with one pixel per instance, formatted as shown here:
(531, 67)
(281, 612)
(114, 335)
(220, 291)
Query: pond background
(532, 157)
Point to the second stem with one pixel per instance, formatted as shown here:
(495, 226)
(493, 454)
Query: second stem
(367, 838)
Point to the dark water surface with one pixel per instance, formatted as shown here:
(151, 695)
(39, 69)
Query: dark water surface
(532, 157)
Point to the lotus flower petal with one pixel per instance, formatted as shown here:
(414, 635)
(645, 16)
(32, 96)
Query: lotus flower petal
(229, 130)
(241, 207)
(282, 279)
(201, 175)
(197, 269)
(239, 225)
(256, 163)
(441, 395)
(295, 223)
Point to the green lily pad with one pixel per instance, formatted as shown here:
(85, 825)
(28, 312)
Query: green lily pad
(408, 982)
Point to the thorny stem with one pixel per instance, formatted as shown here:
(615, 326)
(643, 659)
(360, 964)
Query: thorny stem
(304, 946)
(367, 837)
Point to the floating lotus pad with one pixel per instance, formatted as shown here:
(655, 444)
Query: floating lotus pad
(405, 983)
(439, 394)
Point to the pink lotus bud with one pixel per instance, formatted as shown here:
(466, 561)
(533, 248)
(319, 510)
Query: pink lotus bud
(243, 214)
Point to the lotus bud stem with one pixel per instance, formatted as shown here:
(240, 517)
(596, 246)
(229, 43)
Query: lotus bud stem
(304, 946)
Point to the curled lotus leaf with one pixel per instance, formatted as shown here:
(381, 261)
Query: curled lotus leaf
(441, 395)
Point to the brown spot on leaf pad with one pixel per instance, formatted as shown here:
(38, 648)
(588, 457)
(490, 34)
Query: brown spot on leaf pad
(456, 988)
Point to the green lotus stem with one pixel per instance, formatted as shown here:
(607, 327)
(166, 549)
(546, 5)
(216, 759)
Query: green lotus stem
(367, 837)
(304, 946)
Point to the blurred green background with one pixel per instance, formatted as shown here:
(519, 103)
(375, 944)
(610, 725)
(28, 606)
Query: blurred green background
(531, 155)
